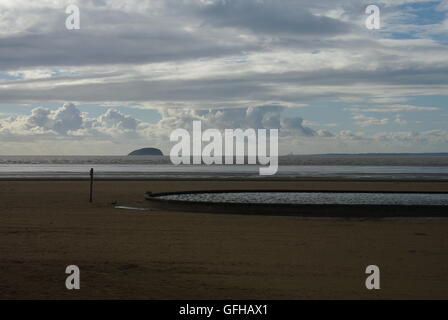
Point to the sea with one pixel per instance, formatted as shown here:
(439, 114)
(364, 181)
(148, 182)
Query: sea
(338, 167)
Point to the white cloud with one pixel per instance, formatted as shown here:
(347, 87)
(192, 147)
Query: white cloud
(429, 137)
(392, 108)
(400, 121)
(365, 121)
(60, 131)
(68, 122)
(267, 117)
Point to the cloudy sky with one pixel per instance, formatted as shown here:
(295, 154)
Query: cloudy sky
(137, 69)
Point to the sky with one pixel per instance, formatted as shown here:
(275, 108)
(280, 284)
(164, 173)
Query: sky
(138, 69)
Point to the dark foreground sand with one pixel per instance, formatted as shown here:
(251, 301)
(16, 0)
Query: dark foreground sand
(45, 226)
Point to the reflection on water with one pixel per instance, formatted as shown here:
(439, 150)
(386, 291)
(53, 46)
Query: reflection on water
(316, 198)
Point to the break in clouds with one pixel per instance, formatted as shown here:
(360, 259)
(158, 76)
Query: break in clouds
(310, 68)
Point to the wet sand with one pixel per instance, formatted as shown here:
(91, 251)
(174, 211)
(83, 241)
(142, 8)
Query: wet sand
(46, 226)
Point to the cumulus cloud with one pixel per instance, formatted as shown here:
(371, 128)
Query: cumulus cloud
(262, 117)
(68, 121)
(62, 121)
(114, 130)
(115, 119)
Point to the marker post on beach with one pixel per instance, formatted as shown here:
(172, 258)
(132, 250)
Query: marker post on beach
(91, 185)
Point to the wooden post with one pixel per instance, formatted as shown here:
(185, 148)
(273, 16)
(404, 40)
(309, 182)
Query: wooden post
(91, 185)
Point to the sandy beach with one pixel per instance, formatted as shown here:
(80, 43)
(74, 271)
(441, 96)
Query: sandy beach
(47, 225)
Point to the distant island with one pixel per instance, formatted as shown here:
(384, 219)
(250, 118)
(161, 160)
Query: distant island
(146, 152)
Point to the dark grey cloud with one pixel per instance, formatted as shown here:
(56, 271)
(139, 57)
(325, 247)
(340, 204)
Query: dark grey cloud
(406, 76)
(58, 49)
(176, 31)
(249, 86)
(271, 18)
(121, 37)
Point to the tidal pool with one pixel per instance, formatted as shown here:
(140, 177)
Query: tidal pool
(324, 198)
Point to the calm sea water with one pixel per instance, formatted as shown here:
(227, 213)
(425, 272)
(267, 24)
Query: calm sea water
(117, 167)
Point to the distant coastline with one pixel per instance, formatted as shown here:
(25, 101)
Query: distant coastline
(435, 154)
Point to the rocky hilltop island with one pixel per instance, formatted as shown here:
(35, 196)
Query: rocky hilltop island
(146, 152)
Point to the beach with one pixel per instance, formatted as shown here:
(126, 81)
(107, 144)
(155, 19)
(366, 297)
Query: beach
(47, 225)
